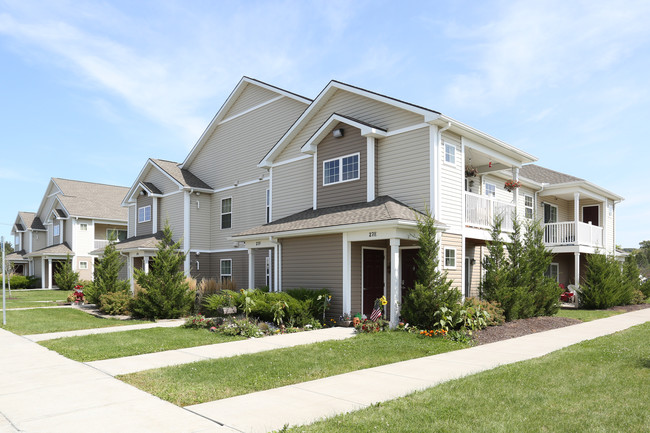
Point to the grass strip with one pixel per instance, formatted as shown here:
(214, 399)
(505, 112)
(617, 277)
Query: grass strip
(45, 320)
(595, 386)
(35, 298)
(587, 315)
(222, 378)
(116, 345)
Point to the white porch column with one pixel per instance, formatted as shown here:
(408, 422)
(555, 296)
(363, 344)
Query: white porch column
(154, 215)
(251, 269)
(576, 215)
(370, 164)
(576, 270)
(347, 275)
(145, 264)
(129, 272)
(49, 273)
(42, 272)
(395, 288)
(276, 269)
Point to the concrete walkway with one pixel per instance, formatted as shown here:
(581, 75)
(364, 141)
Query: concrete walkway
(307, 402)
(52, 335)
(131, 364)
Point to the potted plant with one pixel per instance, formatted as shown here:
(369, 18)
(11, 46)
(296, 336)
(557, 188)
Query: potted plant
(511, 185)
(345, 320)
(470, 171)
(228, 306)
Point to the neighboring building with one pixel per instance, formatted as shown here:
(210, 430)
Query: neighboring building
(73, 219)
(287, 192)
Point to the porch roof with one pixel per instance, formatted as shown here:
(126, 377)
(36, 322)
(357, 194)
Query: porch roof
(142, 242)
(184, 177)
(16, 256)
(541, 174)
(53, 250)
(383, 208)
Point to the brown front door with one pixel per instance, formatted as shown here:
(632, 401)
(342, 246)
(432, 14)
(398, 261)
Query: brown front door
(373, 278)
(408, 269)
(590, 215)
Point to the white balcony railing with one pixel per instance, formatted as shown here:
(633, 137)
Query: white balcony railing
(481, 210)
(573, 233)
(101, 243)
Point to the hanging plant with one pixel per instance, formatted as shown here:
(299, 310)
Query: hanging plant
(470, 171)
(511, 185)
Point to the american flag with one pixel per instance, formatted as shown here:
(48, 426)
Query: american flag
(376, 314)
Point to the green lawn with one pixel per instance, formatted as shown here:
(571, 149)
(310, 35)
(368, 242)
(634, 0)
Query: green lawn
(595, 386)
(127, 343)
(587, 315)
(35, 298)
(222, 378)
(43, 320)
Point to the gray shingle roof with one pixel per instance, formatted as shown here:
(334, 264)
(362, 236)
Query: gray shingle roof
(182, 176)
(382, 208)
(15, 256)
(31, 220)
(152, 188)
(53, 250)
(545, 175)
(19, 228)
(93, 200)
(137, 242)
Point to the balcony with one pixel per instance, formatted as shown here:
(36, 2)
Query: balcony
(101, 243)
(480, 212)
(573, 233)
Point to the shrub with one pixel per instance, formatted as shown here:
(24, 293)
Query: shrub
(65, 277)
(493, 309)
(198, 322)
(115, 303)
(603, 285)
(630, 273)
(106, 276)
(243, 327)
(369, 327)
(310, 297)
(638, 297)
(18, 282)
(645, 288)
(204, 288)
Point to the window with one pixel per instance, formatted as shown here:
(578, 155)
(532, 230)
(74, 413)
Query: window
(17, 243)
(490, 189)
(226, 270)
(528, 206)
(450, 153)
(550, 213)
(342, 169)
(553, 272)
(115, 234)
(83, 227)
(226, 213)
(268, 205)
(83, 265)
(55, 229)
(144, 214)
(450, 258)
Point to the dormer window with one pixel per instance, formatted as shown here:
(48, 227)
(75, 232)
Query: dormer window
(55, 229)
(343, 169)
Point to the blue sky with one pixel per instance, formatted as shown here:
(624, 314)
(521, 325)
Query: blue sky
(90, 90)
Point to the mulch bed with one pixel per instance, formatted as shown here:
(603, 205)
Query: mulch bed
(522, 327)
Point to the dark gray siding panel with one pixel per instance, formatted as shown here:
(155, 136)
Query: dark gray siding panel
(239, 266)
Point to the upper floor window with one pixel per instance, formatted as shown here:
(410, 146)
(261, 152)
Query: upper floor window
(528, 206)
(144, 214)
(225, 270)
(55, 229)
(490, 189)
(83, 227)
(341, 169)
(17, 243)
(226, 213)
(268, 205)
(550, 213)
(115, 234)
(450, 153)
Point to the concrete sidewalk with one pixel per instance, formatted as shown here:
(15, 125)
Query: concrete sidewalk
(171, 323)
(132, 364)
(307, 402)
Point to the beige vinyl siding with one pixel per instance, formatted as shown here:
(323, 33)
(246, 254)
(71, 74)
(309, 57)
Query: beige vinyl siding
(39, 240)
(292, 188)
(201, 221)
(521, 203)
(84, 274)
(449, 240)
(451, 183)
(501, 193)
(144, 228)
(403, 167)
(359, 107)
(170, 209)
(239, 266)
(248, 211)
(314, 262)
(235, 148)
(564, 208)
(132, 221)
(250, 97)
(348, 192)
(160, 180)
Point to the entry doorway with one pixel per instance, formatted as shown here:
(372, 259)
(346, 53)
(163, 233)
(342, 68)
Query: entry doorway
(468, 276)
(373, 275)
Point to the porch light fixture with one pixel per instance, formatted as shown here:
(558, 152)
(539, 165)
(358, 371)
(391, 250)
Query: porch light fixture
(338, 133)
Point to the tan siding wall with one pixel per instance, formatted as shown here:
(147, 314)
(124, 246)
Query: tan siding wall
(453, 241)
(346, 192)
(498, 182)
(314, 262)
(236, 147)
(84, 274)
(160, 180)
(403, 167)
(170, 209)
(239, 266)
(205, 266)
(248, 211)
(292, 188)
(250, 97)
(133, 216)
(359, 107)
(201, 221)
(521, 210)
(146, 227)
(67, 231)
(451, 183)
(39, 240)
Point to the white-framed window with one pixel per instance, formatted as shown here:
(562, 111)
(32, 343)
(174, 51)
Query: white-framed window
(450, 258)
(55, 229)
(550, 213)
(226, 213)
(83, 227)
(144, 214)
(553, 271)
(83, 265)
(490, 189)
(17, 243)
(115, 234)
(343, 169)
(225, 269)
(450, 154)
(528, 206)
(268, 205)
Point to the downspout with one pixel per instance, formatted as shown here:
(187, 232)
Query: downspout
(536, 192)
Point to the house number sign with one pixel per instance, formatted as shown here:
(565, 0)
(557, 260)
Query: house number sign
(372, 234)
